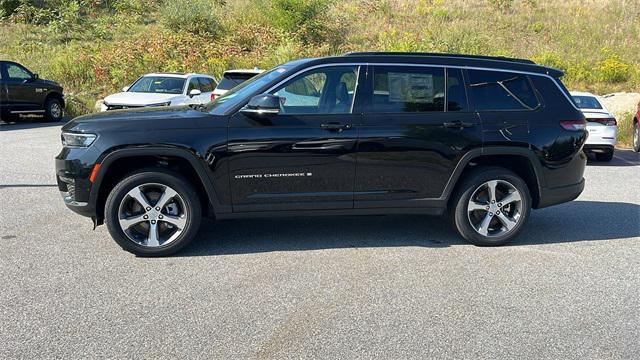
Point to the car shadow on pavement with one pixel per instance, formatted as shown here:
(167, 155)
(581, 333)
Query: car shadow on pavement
(572, 222)
(621, 157)
(31, 123)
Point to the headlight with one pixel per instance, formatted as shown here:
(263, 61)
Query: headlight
(76, 140)
(168, 103)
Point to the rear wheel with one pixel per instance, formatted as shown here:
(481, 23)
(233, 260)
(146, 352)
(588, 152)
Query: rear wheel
(491, 206)
(604, 156)
(53, 110)
(153, 213)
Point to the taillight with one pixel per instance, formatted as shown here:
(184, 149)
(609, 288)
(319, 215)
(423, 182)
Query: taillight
(213, 96)
(604, 121)
(574, 125)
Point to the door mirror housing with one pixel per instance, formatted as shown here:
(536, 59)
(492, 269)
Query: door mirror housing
(125, 89)
(194, 92)
(36, 77)
(262, 105)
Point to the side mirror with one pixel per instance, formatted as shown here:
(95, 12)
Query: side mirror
(36, 76)
(194, 92)
(125, 89)
(262, 104)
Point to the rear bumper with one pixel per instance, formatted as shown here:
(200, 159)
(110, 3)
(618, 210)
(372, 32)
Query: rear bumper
(598, 148)
(559, 195)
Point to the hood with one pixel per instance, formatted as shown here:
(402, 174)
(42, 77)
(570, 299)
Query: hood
(138, 98)
(146, 119)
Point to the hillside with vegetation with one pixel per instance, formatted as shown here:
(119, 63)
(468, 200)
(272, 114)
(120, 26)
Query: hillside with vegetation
(95, 47)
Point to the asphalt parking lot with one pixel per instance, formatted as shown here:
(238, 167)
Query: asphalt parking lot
(333, 287)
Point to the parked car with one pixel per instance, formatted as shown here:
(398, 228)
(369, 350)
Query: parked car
(482, 139)
(233, 78)
(636, 130)
(163, 89)
(22, 92)
(601, 124)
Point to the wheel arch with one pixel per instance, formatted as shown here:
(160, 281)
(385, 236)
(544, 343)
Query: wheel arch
(55, 95)
(521, 161)
(118, 163)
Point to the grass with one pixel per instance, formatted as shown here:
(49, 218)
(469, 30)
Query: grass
(96, 47)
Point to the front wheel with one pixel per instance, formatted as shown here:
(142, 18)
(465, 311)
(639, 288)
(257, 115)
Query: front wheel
(153, 212)
(491, 206)
(53, 110)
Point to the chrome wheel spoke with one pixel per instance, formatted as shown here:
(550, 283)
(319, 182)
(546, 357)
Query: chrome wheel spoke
(491, 187)
(153, 239)
(167, 195)
(506, 221)
(475, 205)
(139, 196)
(176, 221)
(128, 222)
(483, 229)
(511, 197)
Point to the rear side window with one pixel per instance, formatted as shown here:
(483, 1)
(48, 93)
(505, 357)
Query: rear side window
(407, 89)
(495, 90)
(206, 84)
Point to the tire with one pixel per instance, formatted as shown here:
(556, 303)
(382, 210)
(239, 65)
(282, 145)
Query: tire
(177, 222)
(53, 110)
(636, 136)
(605, 157)
(468, 223)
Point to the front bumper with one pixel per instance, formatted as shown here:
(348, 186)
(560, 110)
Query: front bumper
(73, 169)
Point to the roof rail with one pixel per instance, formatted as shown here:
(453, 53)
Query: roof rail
(480, 57)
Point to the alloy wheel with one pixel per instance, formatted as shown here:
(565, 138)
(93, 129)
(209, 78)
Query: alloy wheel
(495, 208)
(55, 110)
(152, 215)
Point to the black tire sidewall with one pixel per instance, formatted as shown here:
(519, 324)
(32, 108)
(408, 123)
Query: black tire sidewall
(476, 178)
(160, 176)
(636, 130)
(47, 109)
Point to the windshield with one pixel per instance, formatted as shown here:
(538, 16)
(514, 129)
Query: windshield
(587, 102)
(239, 93)
(229, 81)
(158, 84)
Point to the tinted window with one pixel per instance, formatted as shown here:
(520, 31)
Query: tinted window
(230, 81)
(158, 84)
(494, 90)
(587, 102)
(193, 85)
(205, 85)
(322, 91)
(407, 89)
(456, 96)
(17, 72)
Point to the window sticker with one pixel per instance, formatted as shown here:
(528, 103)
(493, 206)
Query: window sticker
(415, 88)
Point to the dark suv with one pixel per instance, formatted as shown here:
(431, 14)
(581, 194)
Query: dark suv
(24, 93)
(482, 139)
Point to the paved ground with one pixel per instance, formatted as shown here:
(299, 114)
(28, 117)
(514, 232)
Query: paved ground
(377, 286)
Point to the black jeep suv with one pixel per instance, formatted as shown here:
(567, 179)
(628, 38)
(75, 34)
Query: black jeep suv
(24, 93)
(482, 139)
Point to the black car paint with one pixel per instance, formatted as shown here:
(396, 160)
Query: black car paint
(379, 163)
(25, 96)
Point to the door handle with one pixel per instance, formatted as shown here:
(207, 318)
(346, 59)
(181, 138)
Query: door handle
(457, 125)
(335, 126)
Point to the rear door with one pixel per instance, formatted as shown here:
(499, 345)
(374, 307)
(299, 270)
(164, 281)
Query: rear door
(304, 157)
(505, 102)
(417, 125)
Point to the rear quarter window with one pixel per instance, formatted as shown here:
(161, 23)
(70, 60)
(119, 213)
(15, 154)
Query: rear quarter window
(496, 90)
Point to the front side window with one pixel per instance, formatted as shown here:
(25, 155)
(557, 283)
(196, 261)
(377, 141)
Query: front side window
(407, 89)
(193, 85)
(495, 90)
(17, 72)
(158, 84)
(328, 90)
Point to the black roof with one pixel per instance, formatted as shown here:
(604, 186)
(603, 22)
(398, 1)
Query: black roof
(462, 60)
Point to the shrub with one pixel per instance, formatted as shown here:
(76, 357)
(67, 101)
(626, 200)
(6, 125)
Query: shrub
(194, 16)
(304, 18)
(612, 69)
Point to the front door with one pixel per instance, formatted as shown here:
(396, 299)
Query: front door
(303, 157)
(25, 93)
(417, 126)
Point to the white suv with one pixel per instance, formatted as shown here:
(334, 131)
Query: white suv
(163, 89)
(601, 124)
